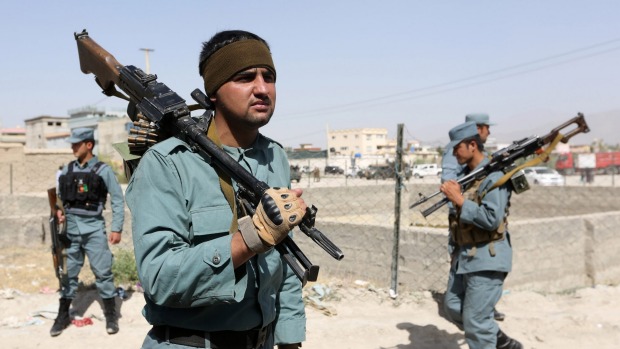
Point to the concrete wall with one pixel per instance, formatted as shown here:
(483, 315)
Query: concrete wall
(550, 253)
(585, 253)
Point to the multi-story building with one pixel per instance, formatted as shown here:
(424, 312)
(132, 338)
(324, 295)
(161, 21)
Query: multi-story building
(47, 132)
(357, 141)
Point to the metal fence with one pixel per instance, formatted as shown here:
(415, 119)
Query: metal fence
(374, 229)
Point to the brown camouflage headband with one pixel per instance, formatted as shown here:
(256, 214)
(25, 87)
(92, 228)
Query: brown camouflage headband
(233, 58)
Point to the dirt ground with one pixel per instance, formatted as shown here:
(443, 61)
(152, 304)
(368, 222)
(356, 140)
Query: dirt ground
(351, 315)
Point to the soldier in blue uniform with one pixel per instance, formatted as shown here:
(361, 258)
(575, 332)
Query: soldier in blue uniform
(450, 167)
(481, 251)
(211, 277)
(83, 187)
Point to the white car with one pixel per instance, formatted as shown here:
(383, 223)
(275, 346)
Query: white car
(421, 170)
(543, 176)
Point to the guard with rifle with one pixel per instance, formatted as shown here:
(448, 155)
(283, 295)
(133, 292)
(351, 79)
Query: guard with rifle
(450, 168)
(482, 253)
(205, 254)
(83, 187)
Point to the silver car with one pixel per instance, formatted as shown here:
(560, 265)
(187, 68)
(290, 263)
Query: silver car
(543, 176)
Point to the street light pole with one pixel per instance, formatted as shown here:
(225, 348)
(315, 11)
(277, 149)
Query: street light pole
(146, 56)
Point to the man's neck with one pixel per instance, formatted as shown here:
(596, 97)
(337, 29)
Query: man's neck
(86, 158)
(234, 138)
(475, 160)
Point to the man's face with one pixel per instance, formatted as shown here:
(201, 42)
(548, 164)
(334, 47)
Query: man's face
(484, 131)
(248, 99)
(81, 149)
(463, 152)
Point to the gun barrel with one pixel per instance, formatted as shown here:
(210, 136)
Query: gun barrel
(435, 207)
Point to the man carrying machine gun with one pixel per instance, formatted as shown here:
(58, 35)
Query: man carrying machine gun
(482, 254)
(211, 276)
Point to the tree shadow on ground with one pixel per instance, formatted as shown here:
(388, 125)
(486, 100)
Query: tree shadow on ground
(428, 337)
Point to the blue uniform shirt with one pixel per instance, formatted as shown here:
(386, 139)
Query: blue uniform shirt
(182, 246)
(488, 215)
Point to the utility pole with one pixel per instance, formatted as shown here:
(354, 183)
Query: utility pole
(146, 56)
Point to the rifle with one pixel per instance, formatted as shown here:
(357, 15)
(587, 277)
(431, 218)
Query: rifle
(60, 241)
(167, 111)
(504, 159)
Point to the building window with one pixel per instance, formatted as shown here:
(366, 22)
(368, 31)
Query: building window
(368, 137)
(58, 123)
(344, 148)
(49, 123)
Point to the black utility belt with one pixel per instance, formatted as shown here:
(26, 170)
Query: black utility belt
(85, 205)
(249, 339)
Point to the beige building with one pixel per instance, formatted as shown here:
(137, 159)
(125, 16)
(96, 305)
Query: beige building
(15, 135)
(47, 132)
(363, 141)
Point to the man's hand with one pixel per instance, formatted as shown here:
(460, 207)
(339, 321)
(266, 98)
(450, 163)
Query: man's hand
(114, 238)
(452, 190)
(280, 210)
(60, 216)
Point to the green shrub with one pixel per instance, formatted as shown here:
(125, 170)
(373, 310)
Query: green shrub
(124, 267)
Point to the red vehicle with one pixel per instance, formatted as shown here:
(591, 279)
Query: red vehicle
(603, 162)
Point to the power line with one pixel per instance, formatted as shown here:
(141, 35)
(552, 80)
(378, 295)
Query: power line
(364, 103)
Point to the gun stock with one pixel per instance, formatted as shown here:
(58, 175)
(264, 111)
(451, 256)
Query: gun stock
(58, 237)
(99, 62)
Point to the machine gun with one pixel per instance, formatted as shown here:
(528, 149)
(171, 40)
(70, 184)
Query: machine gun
(58, 234)
(504, 159)
(166, 111)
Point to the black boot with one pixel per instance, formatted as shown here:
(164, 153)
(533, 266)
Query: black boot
(62, 320)
(498, 316)
(505, 342)
(109, 310)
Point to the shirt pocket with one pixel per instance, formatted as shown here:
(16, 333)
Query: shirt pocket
(210, 225)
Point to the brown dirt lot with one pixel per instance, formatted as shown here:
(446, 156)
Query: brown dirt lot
(349, 315)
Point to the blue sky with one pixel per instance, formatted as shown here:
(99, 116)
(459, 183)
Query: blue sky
(341, 64)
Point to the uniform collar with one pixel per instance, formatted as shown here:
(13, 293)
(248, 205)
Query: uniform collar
(89, 163)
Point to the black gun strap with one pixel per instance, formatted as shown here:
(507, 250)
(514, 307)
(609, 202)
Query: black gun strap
(225, 181)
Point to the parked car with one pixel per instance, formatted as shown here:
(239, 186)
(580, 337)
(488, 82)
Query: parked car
(422, 170)
(333, 170)
(353, 172)
(383, 172)
(295, 174)
(543, 176)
